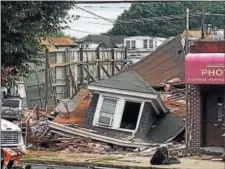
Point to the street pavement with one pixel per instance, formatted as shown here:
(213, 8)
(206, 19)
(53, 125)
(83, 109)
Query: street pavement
(45, 166)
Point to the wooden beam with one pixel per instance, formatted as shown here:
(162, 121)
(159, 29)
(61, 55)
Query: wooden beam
(105, 71)
(113, 62)
(98, 64)
(117, 68)
(89, 74)
(126, 65)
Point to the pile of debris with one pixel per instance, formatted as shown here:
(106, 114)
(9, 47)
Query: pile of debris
(53, 136)
(175, 100)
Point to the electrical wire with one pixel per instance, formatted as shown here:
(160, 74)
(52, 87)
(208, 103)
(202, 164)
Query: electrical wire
(77, 30)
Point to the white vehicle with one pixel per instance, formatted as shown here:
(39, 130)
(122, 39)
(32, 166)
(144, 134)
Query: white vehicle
(12, 144)
(13, 103)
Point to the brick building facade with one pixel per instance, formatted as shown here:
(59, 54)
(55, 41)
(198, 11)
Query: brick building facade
(204, 126)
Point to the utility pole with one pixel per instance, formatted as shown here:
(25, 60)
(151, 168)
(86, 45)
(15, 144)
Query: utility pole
(46, 77)
(187, 31)
(203, 20)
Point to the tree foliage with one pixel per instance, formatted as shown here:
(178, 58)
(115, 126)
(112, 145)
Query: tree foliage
(24, 23)
(168, 27)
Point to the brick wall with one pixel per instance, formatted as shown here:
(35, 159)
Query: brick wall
(194, 117)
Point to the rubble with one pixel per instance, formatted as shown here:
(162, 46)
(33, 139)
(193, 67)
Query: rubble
(175, 100)
(61, 133)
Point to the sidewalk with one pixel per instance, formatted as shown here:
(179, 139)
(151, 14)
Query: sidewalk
(114, 160)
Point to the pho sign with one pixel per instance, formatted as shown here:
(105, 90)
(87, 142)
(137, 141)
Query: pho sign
(205, 68)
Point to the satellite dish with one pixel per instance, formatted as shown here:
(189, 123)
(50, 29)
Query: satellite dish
(66, 106)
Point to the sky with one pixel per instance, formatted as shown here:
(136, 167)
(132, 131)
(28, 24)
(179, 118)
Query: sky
(85, 25)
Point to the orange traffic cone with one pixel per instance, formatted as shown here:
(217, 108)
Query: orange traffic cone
(17, 159)
(7, 158)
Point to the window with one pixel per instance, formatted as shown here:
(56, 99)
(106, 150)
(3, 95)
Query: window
(128, 44)
(130, 115)
(133, 44)
(145, 43)
(11, 103)
(151, 43)
(107, 111)
(220, 109)
(156, 43)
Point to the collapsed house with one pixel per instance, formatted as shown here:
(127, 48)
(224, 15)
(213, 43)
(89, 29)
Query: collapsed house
(127, 105)
(130, 109)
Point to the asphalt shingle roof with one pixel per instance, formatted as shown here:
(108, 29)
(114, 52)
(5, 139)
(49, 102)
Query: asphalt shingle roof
(165, 63)
(107, 41)
(129, 81)
(166, 127)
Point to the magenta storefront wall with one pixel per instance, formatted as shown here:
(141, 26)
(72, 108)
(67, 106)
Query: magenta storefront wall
(205, 68)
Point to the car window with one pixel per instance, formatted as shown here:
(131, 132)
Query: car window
(11, 103)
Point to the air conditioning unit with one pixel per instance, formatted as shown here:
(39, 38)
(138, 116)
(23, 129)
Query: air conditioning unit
(106, 121)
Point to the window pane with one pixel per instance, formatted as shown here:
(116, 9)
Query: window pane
(133, 44)
(150, 43)
(109, 108)
(145, 43)
(108, 105)
(128, 44)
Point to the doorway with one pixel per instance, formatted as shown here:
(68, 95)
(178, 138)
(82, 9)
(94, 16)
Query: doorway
(130, 115)
(212, 100)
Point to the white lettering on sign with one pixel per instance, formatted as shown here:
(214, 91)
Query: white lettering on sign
(213, 72)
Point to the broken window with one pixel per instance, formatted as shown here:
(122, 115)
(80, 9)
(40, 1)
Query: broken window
(130, 115)
(107, 111)
(220, 108)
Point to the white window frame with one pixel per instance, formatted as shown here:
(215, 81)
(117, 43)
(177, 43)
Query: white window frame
(139, 113)
(151, 43)
(156, 43)
(145, 43)
(119, 111)
(133, 44)
(128, 44)
(109, 114)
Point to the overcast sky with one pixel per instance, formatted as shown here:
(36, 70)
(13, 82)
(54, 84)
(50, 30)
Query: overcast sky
(85, 25)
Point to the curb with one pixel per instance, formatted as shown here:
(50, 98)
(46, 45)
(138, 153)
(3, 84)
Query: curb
(94, 164)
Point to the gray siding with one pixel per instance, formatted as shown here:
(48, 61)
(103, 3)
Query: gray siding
(89, 116)
(112, 132)
(148, 118)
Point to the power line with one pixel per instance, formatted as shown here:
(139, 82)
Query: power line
(93, 13)
(105, 7)
(111, 1)
(97, 23)
(77, 30)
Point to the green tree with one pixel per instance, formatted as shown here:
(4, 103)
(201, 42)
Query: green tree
(168, 27)
(24, 23)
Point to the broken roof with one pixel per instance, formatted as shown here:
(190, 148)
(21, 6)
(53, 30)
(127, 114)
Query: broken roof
(166, 128)
(129, 81)
(165, 63)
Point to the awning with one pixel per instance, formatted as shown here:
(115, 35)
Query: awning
(205, 68)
